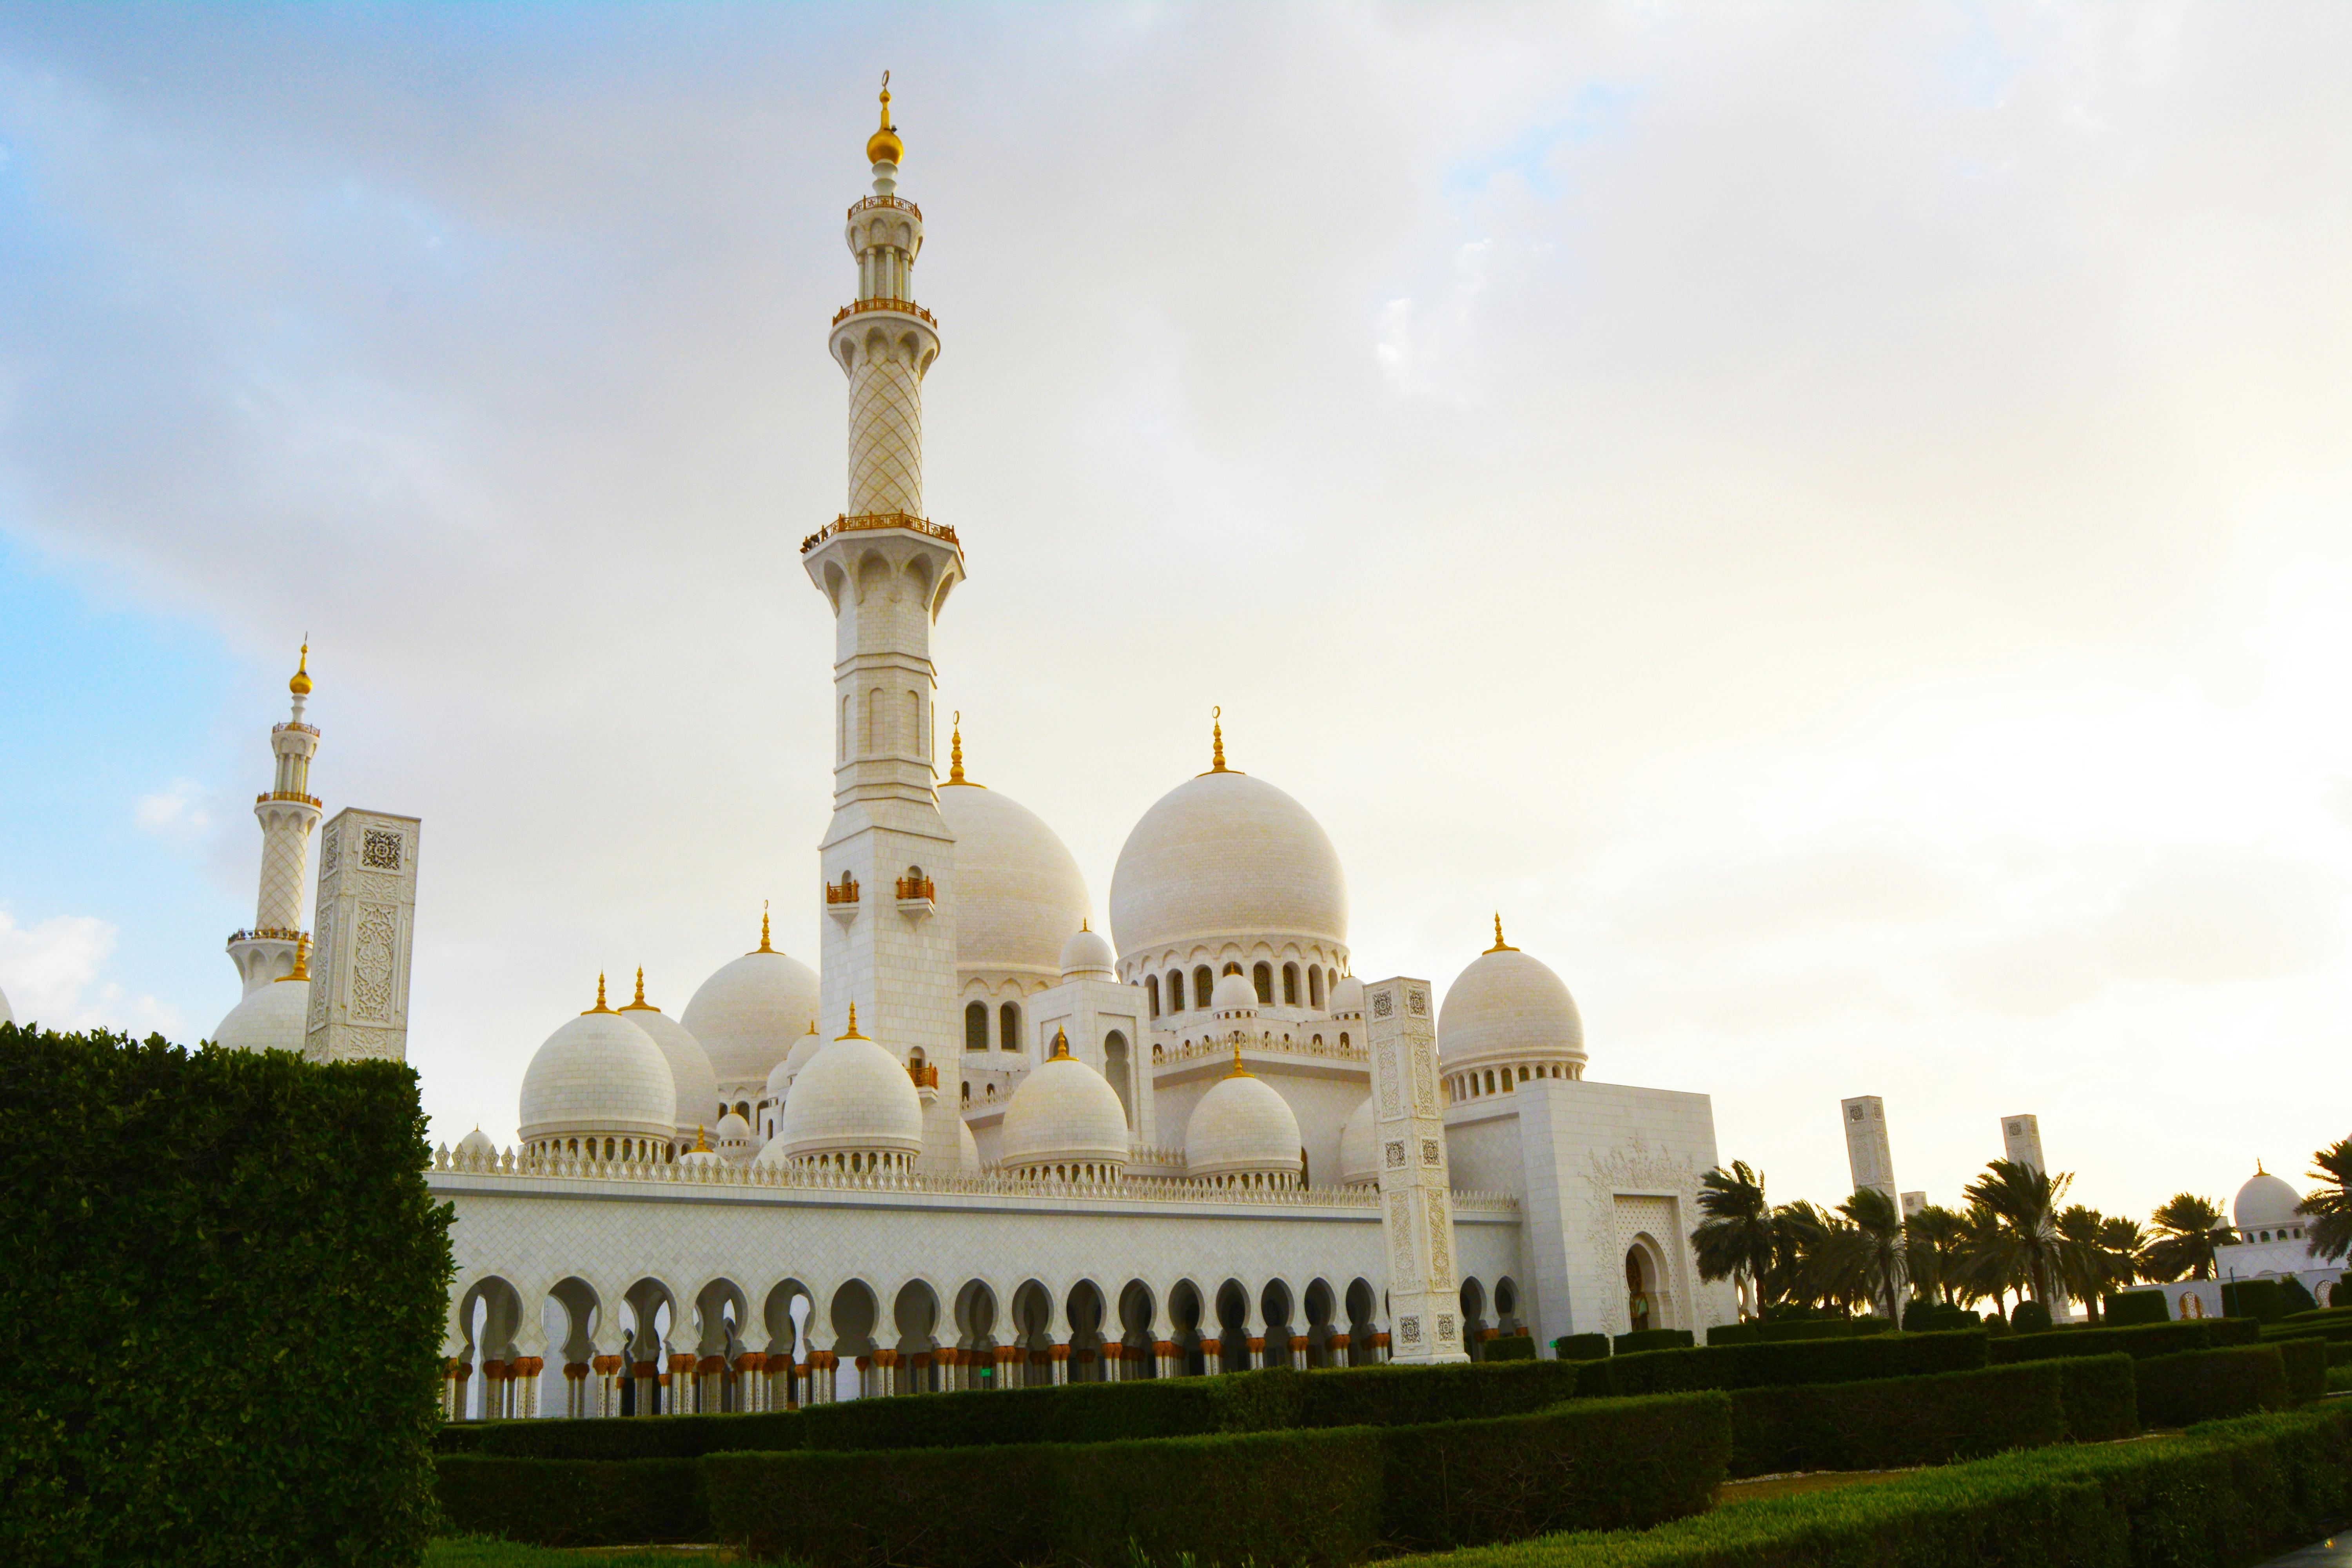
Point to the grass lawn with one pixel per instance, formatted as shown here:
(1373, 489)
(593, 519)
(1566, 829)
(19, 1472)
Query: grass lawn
(1795, 1486)
(482, 1552)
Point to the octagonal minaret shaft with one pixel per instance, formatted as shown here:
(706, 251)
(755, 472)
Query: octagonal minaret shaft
(287, 813)
(889, 938)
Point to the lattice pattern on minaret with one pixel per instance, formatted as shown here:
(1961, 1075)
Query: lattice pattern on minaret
(886, 436)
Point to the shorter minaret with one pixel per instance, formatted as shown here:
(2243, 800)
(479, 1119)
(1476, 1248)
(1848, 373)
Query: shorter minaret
(287, 813)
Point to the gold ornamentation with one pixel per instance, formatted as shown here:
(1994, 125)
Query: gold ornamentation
(913, 887)
(884, 147)
(853, 1034)
(842, 892)
(898, 306)
(908, 521)
(600, 1006)
(1217, 744)
(1061, 1046)
(640, 1005)
(701, 1143)
(302, 961)
(300, 685)
(764, 946)
(955, 754)
(1500, 945)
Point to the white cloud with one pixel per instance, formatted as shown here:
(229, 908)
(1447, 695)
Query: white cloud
(54, 975)
(180, 813)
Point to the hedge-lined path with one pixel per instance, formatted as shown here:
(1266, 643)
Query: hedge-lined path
(1794, 1486)
(2334, 1553)
(482, 1552)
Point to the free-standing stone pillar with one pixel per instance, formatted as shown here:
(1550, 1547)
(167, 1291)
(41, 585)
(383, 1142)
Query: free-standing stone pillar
(1416, 1197)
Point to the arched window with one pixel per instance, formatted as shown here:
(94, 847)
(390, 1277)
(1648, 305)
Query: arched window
(1115, 1068)
(1175, 991)
(1262, 978)
(1314, 986)
(873, 721)
(1204, 986)
(1290, 985)
(1152, 993)
(967, 1093)
(1490, 1080)
(975, 1026)
(1008, 1024)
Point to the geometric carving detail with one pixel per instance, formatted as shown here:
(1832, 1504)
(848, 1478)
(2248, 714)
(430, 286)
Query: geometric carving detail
(372, 958)
(380, 849)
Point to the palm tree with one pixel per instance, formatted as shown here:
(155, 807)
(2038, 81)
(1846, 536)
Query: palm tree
(2122, 1241)
(1734, 1241)
(1932, 1238)
(1798, 1230)
(2024, 1247)
(2188, 1229)
(2330, 1208)
(2101, 1254)
(1878, 1255)
(1978, 1274)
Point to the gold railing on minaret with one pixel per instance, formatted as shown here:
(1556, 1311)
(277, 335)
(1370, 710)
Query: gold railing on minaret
(846, 524)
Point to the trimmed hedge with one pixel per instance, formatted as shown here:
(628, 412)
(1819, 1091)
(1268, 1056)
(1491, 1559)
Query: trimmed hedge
(2133, 1307)
(1271, 1400)
(1896, 1422)
(2306, 1368)
(1508, 1347)
(573, 1502)
(2261, 1300)
(1849, 1360)
(2031, 1318)
(225, 1287)
(1641, 1340)
(1320, 1497)
(2100, 1394)
(2139, 1343)
(2210, 1386)
(1580, 1347)
(2226, 1496)
(1807, 1328)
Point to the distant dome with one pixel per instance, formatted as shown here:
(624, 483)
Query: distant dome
(853, 1107)
(1065, 1113)
(272, 1017)
(1359, 1149)
(733, 1136)
(691, 1077)
(1226, 855)
(747, 1015)
(1087, 956)
(1241, 1128)
(1347, 996)
(599, 1074)
(771, 1153)
(967, 1149)
(2265, 1203)
(477, 1144)
(1508, 1005)
(1234, 994)
(796, 1060)
(1018, 893)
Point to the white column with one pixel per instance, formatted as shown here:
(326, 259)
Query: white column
(1416, 1200)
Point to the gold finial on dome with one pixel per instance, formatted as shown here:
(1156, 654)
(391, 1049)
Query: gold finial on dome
(1217, 744)
(955, 754)
(1239, 1070)
(600, 1006)
(701, 1141)
(1500, 945)
(300, 685)
(764, 946)
(853, 1034)
(640, 1005)
(1061, 1046)
(301, 969)
(884, 147)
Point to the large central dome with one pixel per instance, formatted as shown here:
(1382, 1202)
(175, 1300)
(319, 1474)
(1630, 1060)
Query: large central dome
(1226, 855)
(1019, 895)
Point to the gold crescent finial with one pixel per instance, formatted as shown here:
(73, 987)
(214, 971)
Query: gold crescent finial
(955, 754)
(1217, 741)
(300, 685)
(884, 147)
(1500, 945)
(641, 1004)
(701, 1143)
(764, 946)
(1061, 1046)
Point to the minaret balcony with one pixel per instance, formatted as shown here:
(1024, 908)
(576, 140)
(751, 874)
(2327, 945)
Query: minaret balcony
(917, 899)
(308, 800)
(908, 520)
(841, 898)
(294, 729)
(897, 307)
(895, 204)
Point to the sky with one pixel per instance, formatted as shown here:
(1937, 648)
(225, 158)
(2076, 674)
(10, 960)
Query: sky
(1833, 521)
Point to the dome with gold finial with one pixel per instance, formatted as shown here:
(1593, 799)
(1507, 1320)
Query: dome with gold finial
(1509, 1010)
(852, 1108)
(747, 1015)
(692, 1075)
(1065, 1123)
(1244, 1133)
(300, 685)
(598, 1086)
(1018, 890)
(884, 147)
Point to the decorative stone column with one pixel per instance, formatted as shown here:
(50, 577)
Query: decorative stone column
(494, 1389)
(608, 1370)
(1005, 1363)
(1416, 1200)
(1302, 1351)
(454, 1372)
(576, 1389)
(1213, 1356)
(1163, 1353)
(1059, 1355)
(919, 1372)
(1340, 1347)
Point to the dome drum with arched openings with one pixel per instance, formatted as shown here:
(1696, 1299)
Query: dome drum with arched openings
(2264, 1204)
(1223, 856)
(853, 1108)
(1507, 1015)
(1244, 1134)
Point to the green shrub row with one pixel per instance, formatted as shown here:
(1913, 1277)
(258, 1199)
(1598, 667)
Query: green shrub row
(2226, 1496)
(2305, 1362)
(1811, 1329)
(2323, 1314)
(225, 1285)
(1849, 1360)
(2210, 1386)
(1651, 1339)
(1898, 1422)
(1580, 1347)
(2135, 1307)
(2265, 1300)
(2139, 1342)
(2101, 1394)
(573, 1502)
(1320, 1497)
(1276, 1398)
(1508, 1347)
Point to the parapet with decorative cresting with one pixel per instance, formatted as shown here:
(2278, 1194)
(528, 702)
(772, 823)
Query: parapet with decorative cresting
(847, 524)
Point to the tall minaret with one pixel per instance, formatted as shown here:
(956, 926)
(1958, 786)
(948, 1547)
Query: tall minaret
(887, 856)
(288, 814)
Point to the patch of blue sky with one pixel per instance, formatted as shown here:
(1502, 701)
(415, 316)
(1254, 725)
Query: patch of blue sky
(1977, 70)
(105, 708)
(1597, 111)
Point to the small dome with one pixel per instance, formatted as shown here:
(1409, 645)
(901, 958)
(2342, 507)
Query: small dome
(1087, 956)
(2265, 1203)
(771, 1153)
(691, 1074)
(1234, 994)
(701, 1157)
(1226, 855)
(1359, 1149)
(1018, 891)
(1063, 1113)
(854, 1098)
(1507, 1005)
(272, 1017)
(1242, 1127)
(747, 1015)
(599, 1073)
(477, 1143)
(967, 1149)
(732, 1126)
(1347, 996)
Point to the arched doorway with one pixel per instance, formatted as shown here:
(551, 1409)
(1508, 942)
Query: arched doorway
(1646, 1305)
